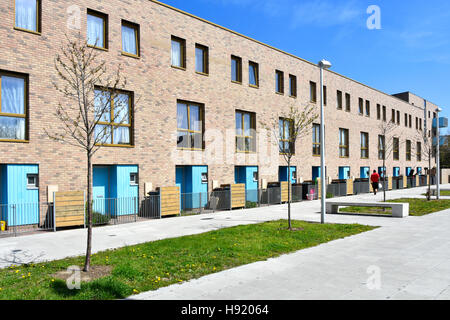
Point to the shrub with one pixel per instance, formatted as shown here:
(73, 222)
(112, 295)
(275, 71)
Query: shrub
(329, 195)
(250, 204)
(99, 219)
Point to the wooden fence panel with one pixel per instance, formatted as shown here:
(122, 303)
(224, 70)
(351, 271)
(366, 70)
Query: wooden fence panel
(285, 191)
(69, 209)
(349, 187)
(237, 195)
(170, 201)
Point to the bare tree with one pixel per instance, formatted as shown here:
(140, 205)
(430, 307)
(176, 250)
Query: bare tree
(426, 154)
(286, 130)
(386, 146)
(91, 96)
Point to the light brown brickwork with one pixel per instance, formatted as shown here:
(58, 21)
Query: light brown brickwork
(158, 85)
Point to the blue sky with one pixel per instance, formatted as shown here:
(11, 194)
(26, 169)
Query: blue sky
(410, 53)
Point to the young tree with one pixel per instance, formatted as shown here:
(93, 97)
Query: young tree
(386, 146)
(426, 154)
(286, 130)
(88, 90)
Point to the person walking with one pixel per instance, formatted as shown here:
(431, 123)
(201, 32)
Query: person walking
(374, 179)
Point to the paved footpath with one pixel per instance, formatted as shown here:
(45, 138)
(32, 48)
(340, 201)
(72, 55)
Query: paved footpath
(412, 254)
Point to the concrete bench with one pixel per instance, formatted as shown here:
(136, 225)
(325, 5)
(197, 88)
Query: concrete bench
(399, 210)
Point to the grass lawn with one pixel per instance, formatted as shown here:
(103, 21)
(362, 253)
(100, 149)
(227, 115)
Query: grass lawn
(161, 263)
(444, 193)
(417, 207)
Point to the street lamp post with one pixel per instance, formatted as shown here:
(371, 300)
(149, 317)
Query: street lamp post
(324, 64)
(438, 164)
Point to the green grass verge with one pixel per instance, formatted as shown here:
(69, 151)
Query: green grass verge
(444, 193)
(161, 263)
(417, 207)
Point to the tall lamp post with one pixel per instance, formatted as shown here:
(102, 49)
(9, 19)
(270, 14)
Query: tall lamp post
(438, 160)
(324, 64)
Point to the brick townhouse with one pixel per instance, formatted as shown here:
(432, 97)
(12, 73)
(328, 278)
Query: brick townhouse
(200, 86)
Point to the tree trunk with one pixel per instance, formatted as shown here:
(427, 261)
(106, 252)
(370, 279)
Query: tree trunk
(289, 194)
(429, 177)
(87, 263)
(384, 178)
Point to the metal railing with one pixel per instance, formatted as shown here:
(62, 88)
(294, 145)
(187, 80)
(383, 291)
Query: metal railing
(21, 218)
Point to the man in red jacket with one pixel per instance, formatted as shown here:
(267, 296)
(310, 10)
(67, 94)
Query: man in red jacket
(374, 179)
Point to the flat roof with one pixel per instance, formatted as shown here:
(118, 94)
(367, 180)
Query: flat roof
(276, 49)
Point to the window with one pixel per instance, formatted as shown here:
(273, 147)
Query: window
(286, 127)
(236, 69)
(347, 102)
(367, 108)
(339, 99)
(178, 53)
(190, 126)
(393, 116)
(420, 124)
(324, 95)
(361, 106)
(32, 181)
(28, 15)
(245, 131)
(114, 111)
(384, 113)
(396, 149)
(279, 81)
(378, 112)
(253, 74)
(343, 143)
(201, 59)
(292, 86)
(255, 176)
(381, 147)
(13, 106)
(130, 39)
(406, 120)
(398, 117)
(134, 179)
(316, 139)
(312, 92)
(417, 123)
(410, 121)
(97, 29)
(408, 150)
(419, 151)
(204, 177)
(364, 145)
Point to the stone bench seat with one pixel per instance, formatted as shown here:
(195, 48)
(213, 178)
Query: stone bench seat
(399, 210)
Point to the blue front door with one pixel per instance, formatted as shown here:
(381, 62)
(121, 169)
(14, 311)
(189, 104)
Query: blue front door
(364, 172)
(100, 189)
(344, 173)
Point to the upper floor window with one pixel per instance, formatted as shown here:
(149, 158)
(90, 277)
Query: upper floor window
(406, 120)
(339, 99)
(245, 131)
(384, 113)
(419, 151)
(396, 148)
(367, 108)
(28, 15)
(381, 147)
(292, 85)
(408, 150)
(253, 74)
(286, 127)
(130, 38)
(97, 26)
(364, 145)
(361, 106)
(13, 107)
(279, 81)
(343, 143)
(178, 52)
(114, 111)
(393, 116)
(190, 126)
(316, 139)
(201, 59)
(347, 102)
(398, 117)
(378, 112)
(312, 92)
(236, 69)
(410, 121)
(324, 95)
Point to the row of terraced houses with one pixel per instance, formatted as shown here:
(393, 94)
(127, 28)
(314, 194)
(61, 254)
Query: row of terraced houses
(192, 78)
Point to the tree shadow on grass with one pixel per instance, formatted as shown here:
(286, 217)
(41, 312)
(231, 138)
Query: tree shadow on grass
(100, 289)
